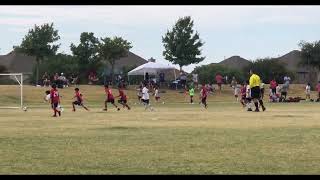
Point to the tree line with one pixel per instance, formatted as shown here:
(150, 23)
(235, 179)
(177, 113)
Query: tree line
(182, 46)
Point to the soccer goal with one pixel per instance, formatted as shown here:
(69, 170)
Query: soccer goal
(11, 90)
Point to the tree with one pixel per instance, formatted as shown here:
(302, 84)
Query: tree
(267, 69)
(207, 73)
(310, 54)
(59, 63)
(112, 49)
(86, 53)
(181, 45)
(39, 43)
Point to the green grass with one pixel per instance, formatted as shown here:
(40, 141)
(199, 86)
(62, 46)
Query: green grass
(177, 138)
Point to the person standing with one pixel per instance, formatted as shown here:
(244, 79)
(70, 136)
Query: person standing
(308, 92)
(55, 100)
(203, 96)
(195, 79)
(254, 83)
(191, 94)
(219, 79)
(145, 98)
(273, 86)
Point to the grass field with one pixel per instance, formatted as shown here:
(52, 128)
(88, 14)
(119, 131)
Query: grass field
(177, 138)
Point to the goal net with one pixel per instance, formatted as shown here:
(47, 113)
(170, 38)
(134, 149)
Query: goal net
(11, 90)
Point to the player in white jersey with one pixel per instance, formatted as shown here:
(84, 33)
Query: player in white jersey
(146, 98)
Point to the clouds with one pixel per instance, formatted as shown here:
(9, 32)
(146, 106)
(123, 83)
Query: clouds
(226, 30)
(204, 16)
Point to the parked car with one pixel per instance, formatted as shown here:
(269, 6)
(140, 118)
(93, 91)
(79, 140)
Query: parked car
(176, 84)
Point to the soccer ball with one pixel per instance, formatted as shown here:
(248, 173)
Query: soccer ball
(24, 108)
(163, 102)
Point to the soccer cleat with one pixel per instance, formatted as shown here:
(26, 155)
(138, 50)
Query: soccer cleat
(257, 110)
(54, 115)
(249, 109)
(118, 109)
(104, 109)
(263, 108)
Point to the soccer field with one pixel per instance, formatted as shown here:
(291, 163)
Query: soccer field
(177, 138)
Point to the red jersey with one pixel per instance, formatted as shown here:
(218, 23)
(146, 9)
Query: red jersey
(273, 84)
(54, 96)
(204, 92)
(122, 95)
(78, 95)
(243, 91)
(219, 79)
(109, 93)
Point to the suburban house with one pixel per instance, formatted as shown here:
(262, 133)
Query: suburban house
(290, 60)
(20, 63)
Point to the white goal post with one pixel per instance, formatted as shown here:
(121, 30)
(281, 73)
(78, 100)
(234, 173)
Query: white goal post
(19, 78)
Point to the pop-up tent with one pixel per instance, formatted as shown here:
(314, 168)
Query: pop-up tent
(152, 68)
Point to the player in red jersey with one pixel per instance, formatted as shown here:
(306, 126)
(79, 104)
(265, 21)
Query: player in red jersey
(79, 100)
(203, 96)
(55, 100)
(123, 97)
(109, 99)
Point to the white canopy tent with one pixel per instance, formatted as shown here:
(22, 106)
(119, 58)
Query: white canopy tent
(152, 68)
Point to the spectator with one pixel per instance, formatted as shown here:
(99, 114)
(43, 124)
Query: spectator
(92, 78)
(56, 78)
(74, 79)
(219, 79)
(183, 79)
(195, 79)
(233, 82)
(63, 80)
(46, 79)
(147, 77)
(161, 78)
(273, 85)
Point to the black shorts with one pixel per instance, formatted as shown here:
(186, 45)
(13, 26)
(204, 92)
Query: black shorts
(79, 103)
(122, 101)
(110, 101)
(248, 99)
(255, 92)
(274, 91)
(146, 101)
(54, 105)
(204, 100)
(283, 93)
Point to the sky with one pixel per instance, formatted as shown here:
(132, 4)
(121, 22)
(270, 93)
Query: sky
(248, 31)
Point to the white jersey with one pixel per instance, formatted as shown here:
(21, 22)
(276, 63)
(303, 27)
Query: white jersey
(237, 90)
(145, 93)
(308, 89)
(47, 98)
(248, 91)
(278, 89)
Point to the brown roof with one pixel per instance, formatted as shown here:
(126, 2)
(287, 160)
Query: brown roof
(291, 61)
(17, 63)
(235, 62)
